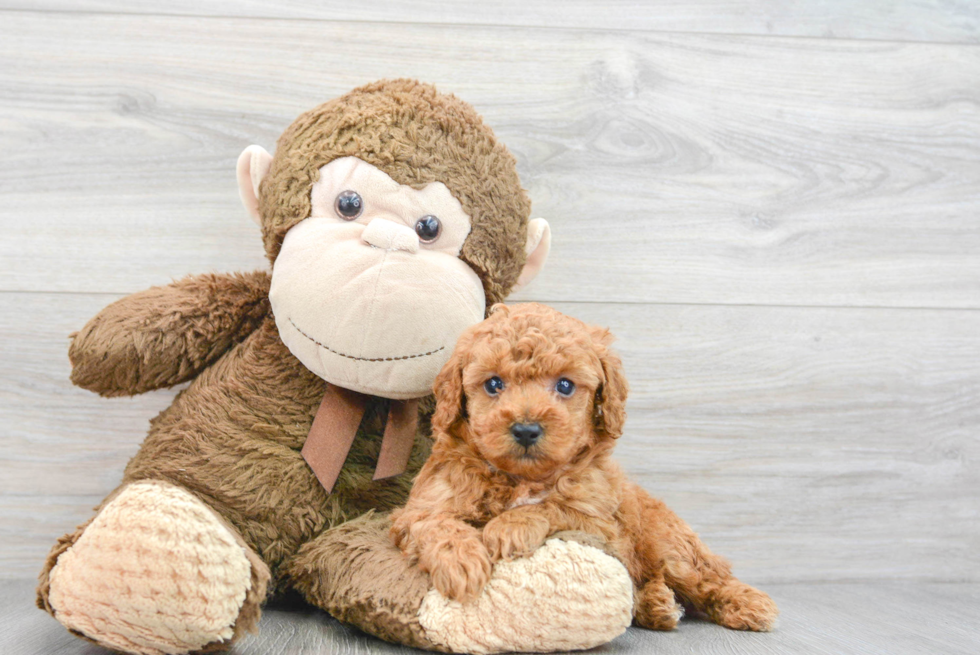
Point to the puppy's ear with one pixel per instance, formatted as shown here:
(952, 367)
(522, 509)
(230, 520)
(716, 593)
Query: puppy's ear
(609, 408)
(448, 388)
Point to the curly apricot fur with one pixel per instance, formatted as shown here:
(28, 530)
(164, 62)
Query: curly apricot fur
(479, 478)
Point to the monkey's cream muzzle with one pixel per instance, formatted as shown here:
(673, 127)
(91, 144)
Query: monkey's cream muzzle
(363, 303)
(390, 236)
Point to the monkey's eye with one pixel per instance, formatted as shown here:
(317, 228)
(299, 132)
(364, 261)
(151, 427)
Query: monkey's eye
(565, 387)
(349, 205)
(493, 386)
(428, 228)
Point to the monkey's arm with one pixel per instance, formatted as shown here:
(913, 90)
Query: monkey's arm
(167, 335)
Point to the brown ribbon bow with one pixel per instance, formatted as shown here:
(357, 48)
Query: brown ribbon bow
(335, 426)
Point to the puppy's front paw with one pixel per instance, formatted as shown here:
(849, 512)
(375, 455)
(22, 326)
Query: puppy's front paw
(460, 570)
(515, 534)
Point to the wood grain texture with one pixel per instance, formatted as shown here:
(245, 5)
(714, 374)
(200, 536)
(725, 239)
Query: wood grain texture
(804, 444)
(834, 619)
(675, 168)
(915, 20)
(781, 231)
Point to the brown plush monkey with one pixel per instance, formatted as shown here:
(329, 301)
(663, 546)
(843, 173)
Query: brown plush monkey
(392, 218)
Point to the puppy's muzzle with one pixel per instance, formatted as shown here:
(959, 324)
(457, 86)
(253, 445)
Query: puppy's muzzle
(526, 434)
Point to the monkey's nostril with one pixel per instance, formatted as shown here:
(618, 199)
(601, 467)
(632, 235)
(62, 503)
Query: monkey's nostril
(526, 433)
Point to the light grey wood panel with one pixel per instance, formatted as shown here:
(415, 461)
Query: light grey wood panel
(61, 448)
(918, 20)
(816, 619)
(809, 444)
(45, 419)
(804, 444)
(30, 524)
(674, 168)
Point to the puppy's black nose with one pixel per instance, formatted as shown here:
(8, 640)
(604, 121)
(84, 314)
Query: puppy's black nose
(526, 433)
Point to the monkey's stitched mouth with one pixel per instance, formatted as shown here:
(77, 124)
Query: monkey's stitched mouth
(364, 359)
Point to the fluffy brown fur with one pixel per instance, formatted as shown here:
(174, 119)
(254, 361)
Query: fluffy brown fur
(233, 436)
(482, 497)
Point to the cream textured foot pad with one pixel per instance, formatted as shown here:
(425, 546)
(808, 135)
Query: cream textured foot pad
(566, 596)
(155, 572)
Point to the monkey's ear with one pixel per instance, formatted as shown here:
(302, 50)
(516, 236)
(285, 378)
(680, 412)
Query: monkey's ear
(537, 248)
(253, 164)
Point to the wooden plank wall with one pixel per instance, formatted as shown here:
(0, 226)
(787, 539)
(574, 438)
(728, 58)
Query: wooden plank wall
(774, 205)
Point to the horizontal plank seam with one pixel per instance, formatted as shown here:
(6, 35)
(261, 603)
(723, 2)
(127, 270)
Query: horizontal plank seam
(612, 30)
(41, 292)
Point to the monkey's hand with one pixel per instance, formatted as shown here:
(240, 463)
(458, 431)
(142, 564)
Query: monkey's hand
(167, 335)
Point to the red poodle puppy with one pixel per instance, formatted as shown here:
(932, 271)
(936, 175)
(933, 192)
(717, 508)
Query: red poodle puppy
(528, 410)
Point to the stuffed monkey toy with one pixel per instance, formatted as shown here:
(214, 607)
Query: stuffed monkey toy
(392, 219)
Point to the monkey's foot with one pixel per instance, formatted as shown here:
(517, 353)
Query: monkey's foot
(157, 572)
(570, 594)
(567, 595)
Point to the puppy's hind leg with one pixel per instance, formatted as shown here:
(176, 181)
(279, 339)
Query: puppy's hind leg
(739, 606)
(656, 607)
(700, 577)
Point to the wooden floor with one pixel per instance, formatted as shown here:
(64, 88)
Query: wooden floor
(884, 618)
(775, 206)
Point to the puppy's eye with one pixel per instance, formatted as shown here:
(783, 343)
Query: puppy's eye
(494, 385)
(349, 205)
(565, 387)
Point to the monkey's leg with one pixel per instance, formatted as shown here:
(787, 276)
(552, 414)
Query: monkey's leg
(355, 573)
(568, 595)
(702, 578)
(155, 572)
